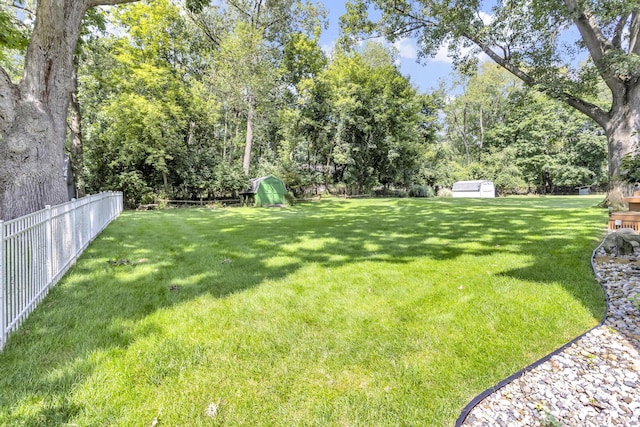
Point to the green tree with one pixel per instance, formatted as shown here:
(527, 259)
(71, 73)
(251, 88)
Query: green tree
(556, 148)
(13, 37)
(481, 105)
(143, 103)
(525, 38)
(33, 111)
(251, 36)
(376, 117)
(303, 122)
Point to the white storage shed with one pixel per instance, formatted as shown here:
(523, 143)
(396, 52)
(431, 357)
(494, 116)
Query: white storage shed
(474, 189)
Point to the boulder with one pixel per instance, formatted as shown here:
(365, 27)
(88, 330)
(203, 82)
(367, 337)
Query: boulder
(624, 241)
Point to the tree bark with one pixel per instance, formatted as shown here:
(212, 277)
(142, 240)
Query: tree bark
(623, 139)
(622, 127)
(33, 113)
(246, 161)
(75, 134)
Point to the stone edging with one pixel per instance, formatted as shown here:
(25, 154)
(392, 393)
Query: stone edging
(476, 400)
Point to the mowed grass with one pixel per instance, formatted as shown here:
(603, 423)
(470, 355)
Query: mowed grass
(337, 313)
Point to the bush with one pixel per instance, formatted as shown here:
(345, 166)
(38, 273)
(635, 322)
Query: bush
(134, 189)
(290, 198)
(229, 181)
(445, 192)
(383, 192)
(161, 198)
(421, 191)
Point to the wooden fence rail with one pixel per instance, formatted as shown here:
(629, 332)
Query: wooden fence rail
(37, 249)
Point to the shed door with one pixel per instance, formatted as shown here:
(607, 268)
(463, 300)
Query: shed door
(271, 192)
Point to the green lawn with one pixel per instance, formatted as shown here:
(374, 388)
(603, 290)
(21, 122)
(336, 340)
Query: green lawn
(347, 313)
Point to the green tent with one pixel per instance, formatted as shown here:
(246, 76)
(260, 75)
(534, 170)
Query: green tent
(266, 191)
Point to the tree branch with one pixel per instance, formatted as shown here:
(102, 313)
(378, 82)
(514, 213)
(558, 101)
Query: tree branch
(257, 9)
(616, 40)
(596, 44)
(419, 20)
(634, 33)
(504, 62)
(94, 3)
(591, 34)
(591, 110)
(239, 8)
(208, 32)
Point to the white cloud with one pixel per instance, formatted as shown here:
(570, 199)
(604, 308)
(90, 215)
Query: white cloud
(486, 18)
(443, 55)
(406, 49)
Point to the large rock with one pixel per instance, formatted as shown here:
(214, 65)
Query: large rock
(624, 241)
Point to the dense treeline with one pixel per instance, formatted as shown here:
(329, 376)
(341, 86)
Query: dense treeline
(191, 103)
(525, 142)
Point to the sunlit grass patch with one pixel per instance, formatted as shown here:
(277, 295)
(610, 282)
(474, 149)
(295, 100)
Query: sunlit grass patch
(367, 312)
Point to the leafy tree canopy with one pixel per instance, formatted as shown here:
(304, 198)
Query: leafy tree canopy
(543, 43)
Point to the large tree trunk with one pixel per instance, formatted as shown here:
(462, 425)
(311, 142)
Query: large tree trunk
(623, 139)
(33, 113)
(33, 134)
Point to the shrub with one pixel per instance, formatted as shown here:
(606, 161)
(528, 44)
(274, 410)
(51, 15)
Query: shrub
(161, 198)
(290, 198)
(445, 192)
(134, 189)
(421, 191)
(390, 192)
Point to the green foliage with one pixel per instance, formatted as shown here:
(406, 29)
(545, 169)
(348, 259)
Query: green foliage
(529, 39)
(290, 198)
(421, 191)
(302, 59)
(13, 36)
(631, 168)
(134, 188)
(556, 147)
(228, 181)
(377, 117)
(521, 140)
(145, 112)
(501, 166)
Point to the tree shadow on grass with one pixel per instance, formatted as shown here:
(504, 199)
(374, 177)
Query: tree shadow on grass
(174, 257)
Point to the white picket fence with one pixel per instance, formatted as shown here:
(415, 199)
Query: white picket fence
(37, 249)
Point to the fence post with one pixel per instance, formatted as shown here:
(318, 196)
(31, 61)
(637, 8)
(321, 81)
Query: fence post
(49, 237)
(3, 298)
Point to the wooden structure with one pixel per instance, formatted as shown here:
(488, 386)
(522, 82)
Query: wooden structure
(474, 189)
(265, 191)
(629, 219)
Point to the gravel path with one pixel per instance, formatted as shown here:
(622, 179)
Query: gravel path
(593, 382)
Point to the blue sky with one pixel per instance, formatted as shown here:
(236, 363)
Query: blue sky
(425, 76)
